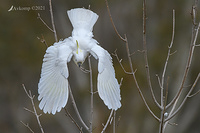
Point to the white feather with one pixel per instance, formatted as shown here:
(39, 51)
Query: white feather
(82, 18)
(53, 84)
(108, 87)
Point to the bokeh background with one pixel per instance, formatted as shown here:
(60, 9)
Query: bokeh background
(21, 54)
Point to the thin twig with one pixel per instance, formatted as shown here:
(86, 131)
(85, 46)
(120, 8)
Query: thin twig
(194, 94)
(39, 17)
(42, 40)
(34, 109)
(145, 55)
(187, 96)
(195, 32)
(173, 53)
(131, 67)
(29, 110)
(76, 109)
(52, 21)
(135, 80)
(105, 126)
(163, 112)
(163, 103)
(159, 82)
(120, 62)
(167, 59)
(70, 116)
(123, 39)
(84, 70)
(191, 53)
(91, 95)
(26, 125)
(114, 126)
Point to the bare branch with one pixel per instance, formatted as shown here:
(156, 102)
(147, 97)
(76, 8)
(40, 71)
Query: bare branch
(183, 102)
(107, 121)
(145, 55)
(68, 114)
(52, 21)
(120, 62)
(167, 59)
(113, 22)
(131, 66)
(159, 82)
(114, 126)
(29, 110)
(34, 109)
(39, 17)
(194, 94)
(84, 70)
(91, 95)
(191, 53)
(135, 80)
(76, 109)
(173, 53)
(26, 125)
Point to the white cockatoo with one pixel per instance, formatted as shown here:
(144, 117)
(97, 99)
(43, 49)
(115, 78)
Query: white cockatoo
(53, 85)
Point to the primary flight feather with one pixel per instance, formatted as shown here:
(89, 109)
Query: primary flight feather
(53, 85)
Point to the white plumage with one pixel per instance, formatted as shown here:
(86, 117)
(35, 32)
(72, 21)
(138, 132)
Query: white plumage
(53, 84)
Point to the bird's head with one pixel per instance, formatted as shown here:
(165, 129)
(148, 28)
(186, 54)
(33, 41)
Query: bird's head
(79, 55)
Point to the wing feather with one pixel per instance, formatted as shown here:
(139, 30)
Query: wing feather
(53, 84)
(108, 87)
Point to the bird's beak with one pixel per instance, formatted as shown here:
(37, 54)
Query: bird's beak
(79, 64)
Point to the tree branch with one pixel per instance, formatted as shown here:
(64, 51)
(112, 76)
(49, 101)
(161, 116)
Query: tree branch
(91, 95)
(52, 21)
(33, 105)
(120, 62)
(26, 125)
(123, 39)
(186, 97)
(191, 53)
(145, 55)
(167, 59)
(39, 17)
(107, 121)
(131, 66)
(76, 109)
(68, 114)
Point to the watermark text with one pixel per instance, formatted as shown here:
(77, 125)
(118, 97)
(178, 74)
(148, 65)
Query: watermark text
(26, 8)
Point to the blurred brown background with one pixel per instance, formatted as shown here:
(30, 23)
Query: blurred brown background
(21, 55)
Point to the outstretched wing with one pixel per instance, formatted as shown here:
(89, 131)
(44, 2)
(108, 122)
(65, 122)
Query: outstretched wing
(108, 87)
(53, 84)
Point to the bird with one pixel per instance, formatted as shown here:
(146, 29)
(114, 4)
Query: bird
(53, 86)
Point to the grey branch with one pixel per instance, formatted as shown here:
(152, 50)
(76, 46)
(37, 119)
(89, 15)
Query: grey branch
(76, 110)
(52, 21)
(34, 109)
(108, 121)
(26, 125)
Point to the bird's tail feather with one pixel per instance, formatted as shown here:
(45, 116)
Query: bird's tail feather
(82, 18)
